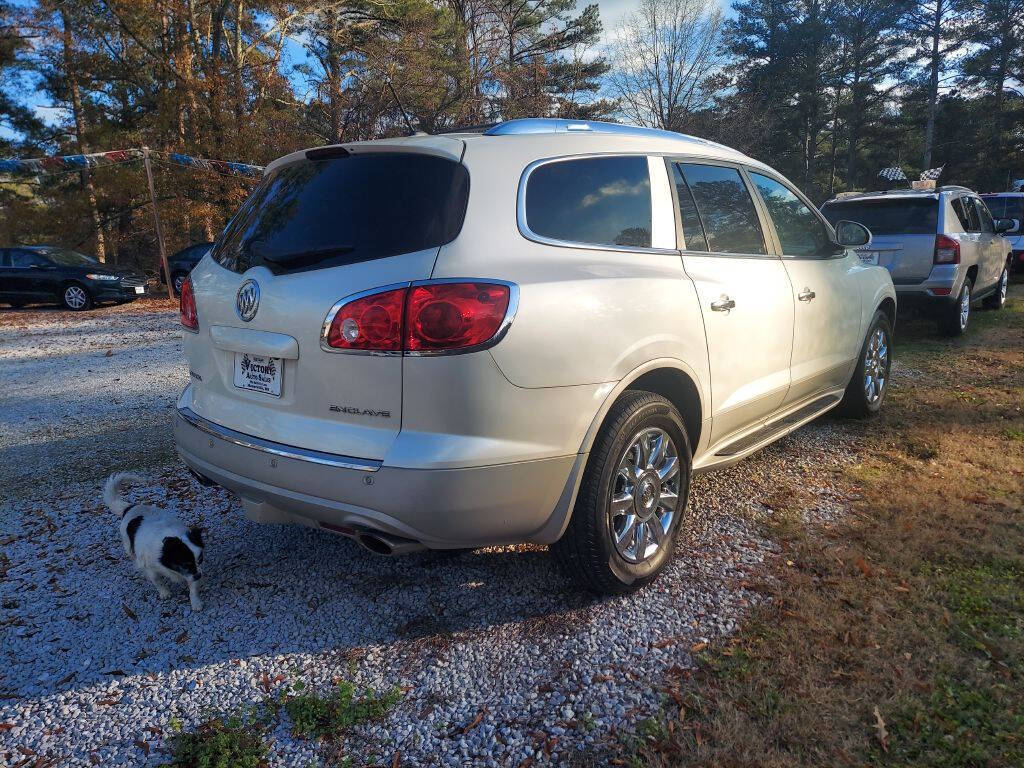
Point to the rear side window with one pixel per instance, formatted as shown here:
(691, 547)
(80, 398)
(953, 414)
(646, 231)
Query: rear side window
(591, 201)
(330, 212)
(896, 216)
(694, 238)
(800, 231)
(965, 213)
(725, 208)
(1006, 207)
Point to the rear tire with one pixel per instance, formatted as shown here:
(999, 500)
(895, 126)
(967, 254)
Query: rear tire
(599, 550)
(177, 280)
(75, 297)
(998, 299)
(954, 319)
(867, 389)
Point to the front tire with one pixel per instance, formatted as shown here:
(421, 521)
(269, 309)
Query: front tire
(866, 391)
(954, 318)
(76, 297)
(632, 497)
(998, 299)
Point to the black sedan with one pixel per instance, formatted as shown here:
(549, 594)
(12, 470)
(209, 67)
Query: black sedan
(41, 273)
(182, 262)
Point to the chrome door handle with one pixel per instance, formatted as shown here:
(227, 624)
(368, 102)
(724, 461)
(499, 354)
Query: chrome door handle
(723, 304)
(806, 295)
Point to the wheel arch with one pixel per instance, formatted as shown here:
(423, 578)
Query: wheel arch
(672, 379)
(888, 307)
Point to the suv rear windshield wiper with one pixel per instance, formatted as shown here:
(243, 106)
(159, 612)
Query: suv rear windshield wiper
(301, 259)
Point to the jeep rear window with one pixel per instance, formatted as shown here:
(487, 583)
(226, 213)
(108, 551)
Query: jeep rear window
(322, 213)
(901, 216)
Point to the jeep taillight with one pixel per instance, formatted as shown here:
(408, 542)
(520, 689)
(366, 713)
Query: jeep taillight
(429, 318)
(947, 250)
(187, 306)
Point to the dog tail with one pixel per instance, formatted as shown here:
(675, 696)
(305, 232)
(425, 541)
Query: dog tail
(112, 491)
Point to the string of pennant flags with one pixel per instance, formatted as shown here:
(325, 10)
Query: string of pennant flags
(65, 163)
(896, 174)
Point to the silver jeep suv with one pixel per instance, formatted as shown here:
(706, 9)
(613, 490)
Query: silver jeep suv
(943, 248)
(536, 332)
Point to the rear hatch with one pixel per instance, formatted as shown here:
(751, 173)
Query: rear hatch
(318, 229)
(903, 232)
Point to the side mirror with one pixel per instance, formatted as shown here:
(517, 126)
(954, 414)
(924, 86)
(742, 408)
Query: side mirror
(850, 234)
(1007, 226)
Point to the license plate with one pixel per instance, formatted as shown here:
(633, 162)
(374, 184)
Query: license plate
(260, 374)
(140, 289)
(868, 257)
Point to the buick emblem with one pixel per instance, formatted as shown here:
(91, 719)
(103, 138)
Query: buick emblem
(248, 300)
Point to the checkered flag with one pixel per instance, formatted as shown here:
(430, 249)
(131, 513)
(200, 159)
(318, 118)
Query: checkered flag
(893, 174)
(932, 173)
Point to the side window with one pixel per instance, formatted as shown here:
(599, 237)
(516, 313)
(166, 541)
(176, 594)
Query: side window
(694, 238)
(960, 209)
(21, 258)
(973, 220)
(801, 232)
(725, 208)
(591, 200)
(987, 225)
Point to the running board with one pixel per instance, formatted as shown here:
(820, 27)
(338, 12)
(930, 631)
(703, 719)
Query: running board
(776, 428)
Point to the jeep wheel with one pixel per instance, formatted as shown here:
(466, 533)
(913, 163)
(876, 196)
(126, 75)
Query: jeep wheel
(998, 299)
(631, 500)
(954, 318)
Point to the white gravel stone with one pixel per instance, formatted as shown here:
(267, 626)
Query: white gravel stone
(93, 664)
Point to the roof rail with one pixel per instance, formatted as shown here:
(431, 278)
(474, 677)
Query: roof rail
(559, 125)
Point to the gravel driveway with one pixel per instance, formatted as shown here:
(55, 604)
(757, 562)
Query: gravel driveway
(497, 659)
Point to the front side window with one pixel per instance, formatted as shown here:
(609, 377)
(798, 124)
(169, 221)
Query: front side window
(725, 208)
(591, 201)
(984, 216)
(800, 231)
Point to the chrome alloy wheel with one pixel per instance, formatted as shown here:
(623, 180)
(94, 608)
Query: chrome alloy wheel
(179, 280)
(75, 296)
(645, 495)
(876, 366)
(1003, 282)
(965, 306)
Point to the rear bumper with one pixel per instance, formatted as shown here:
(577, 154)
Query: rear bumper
(440, 508)
(940, 289)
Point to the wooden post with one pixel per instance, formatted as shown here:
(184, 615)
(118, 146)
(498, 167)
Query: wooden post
(159, 229)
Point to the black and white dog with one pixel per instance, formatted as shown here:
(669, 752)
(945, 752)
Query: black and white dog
(158, 541)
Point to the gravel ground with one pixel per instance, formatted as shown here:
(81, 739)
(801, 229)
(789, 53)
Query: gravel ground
(497, 659)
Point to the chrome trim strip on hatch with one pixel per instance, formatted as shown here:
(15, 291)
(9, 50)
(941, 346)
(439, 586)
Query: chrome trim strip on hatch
(277, 449)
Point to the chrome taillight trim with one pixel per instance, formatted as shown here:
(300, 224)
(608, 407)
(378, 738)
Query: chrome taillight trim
(499, 334)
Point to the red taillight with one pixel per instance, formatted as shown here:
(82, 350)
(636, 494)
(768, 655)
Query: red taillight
(372, 323)
(187, 306)
(444, 316)
(947, 250)
(435, 317)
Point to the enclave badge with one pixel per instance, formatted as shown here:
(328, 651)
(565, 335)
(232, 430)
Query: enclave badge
(248, 300)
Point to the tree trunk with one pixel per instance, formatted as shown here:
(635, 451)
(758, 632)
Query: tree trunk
(933, 84)
(71, 73)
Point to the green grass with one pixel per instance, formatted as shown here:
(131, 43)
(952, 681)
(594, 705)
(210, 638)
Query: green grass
(223, 742)
(327, 716)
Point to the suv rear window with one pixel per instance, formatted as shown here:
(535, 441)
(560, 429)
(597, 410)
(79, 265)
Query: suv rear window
(901, 216)
(330, 212)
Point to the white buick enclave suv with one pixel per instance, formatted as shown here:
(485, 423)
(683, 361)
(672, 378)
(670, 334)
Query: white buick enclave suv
(534, 332)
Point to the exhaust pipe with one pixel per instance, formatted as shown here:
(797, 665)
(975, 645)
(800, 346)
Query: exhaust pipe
(203, 480)
(388, 546)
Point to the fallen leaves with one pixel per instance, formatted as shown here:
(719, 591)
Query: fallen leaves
(880, 730)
